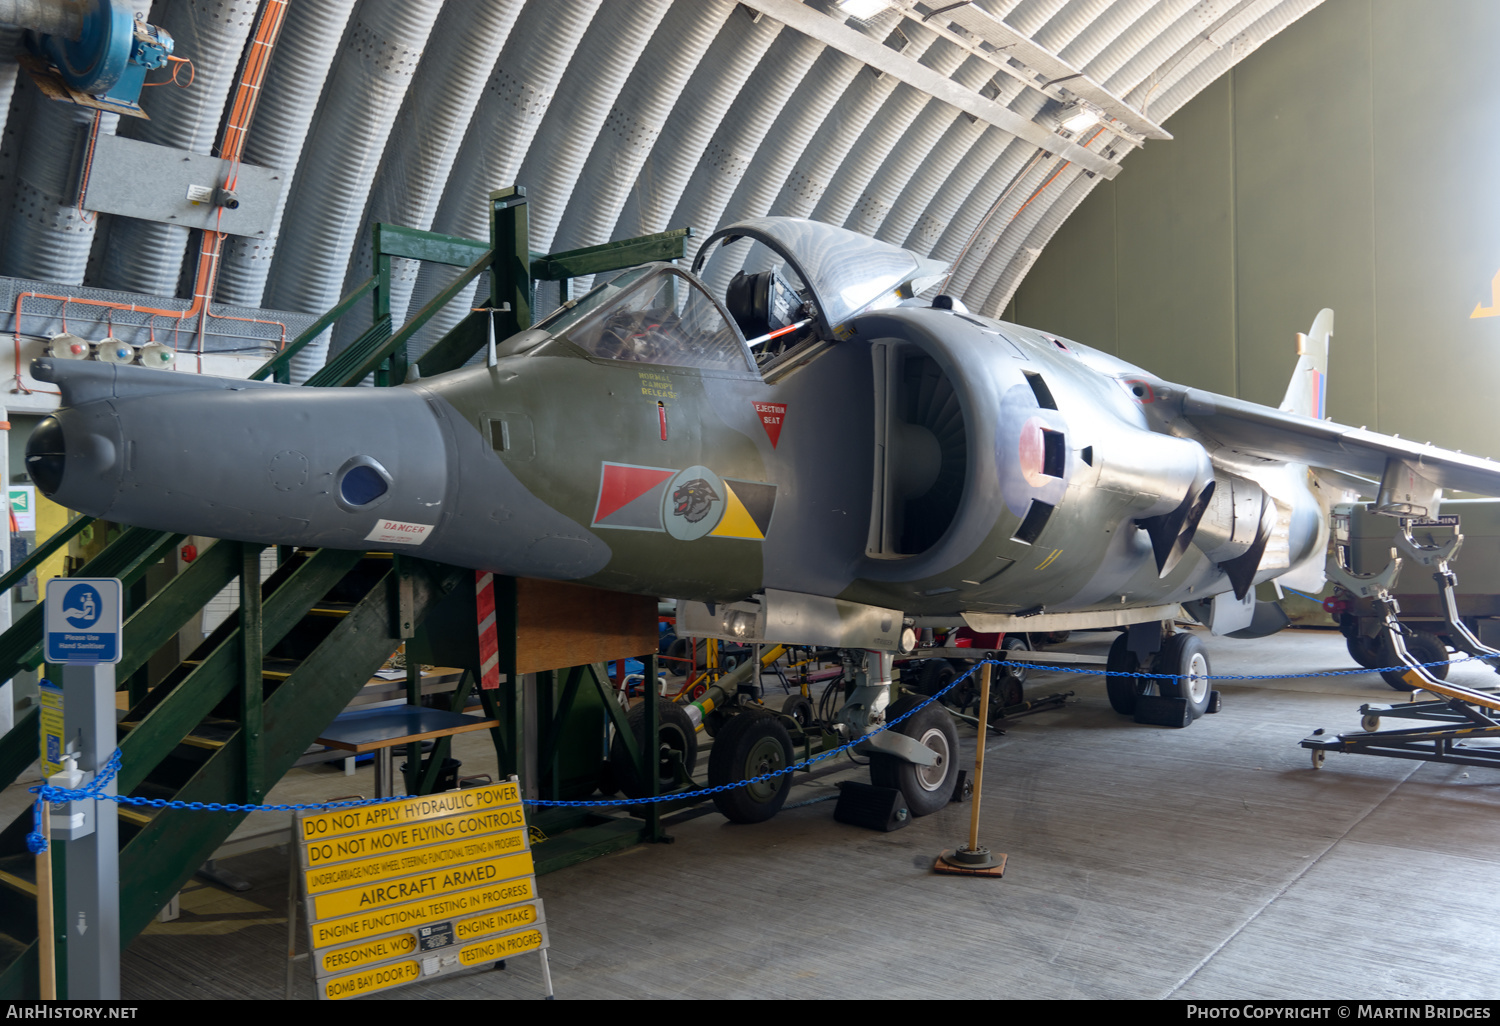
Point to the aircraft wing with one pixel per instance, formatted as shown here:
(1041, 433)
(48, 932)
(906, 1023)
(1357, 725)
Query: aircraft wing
(1257, 430)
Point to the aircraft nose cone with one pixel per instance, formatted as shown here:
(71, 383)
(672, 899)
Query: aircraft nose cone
(74, 456)
(46, 456)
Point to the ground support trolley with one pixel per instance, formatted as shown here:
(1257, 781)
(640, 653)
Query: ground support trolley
(1470, 734)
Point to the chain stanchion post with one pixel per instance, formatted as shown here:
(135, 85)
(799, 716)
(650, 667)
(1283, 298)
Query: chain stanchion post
(975, 859)
(46, 933)
(984, 729)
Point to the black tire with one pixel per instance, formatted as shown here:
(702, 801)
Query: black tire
(925, 788)
(1183, 654)
(748, 745)
(1364, 651)
(1424, 648)
(934, 676)
(1013, 647)
(799, 709)
(675, 732)
(1123, 691)
(682, 657)
(608, 785)
(1005, 691)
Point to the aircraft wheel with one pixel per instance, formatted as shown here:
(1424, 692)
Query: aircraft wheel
(1183, 654)
(749, 745)
(1318, 755)
(1424, 648)
(934, 676)
(1369, 722)
(1005, 691)
(799, 709)
(1123, 691)
(674, 734)
(608, 785)
(925, 788)
(1364, 651)
(1014, 647)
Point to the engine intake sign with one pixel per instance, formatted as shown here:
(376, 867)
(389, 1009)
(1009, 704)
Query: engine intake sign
(413, 889)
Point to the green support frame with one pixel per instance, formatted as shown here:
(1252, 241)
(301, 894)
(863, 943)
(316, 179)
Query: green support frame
(231, 674)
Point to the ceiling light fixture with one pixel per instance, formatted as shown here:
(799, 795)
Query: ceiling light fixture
(1076, 118)
(864, 10)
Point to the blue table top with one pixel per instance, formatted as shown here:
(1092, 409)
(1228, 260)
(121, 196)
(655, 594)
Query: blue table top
(368, 729)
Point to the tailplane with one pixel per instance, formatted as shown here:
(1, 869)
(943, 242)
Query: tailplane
(1306, 392)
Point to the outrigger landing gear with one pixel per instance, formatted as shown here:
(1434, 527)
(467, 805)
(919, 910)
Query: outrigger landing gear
(1470, 714)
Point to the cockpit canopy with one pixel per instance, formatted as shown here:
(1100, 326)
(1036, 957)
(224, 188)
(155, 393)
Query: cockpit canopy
(844, 273)
(652, 314)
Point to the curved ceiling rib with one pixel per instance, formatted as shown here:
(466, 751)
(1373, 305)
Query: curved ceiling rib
(735, 54)
(505, 121)
(299, 67)
(832, 77)
(429, 130)
(637, 121)
(381, 51)
(849, 186)
(927, 124)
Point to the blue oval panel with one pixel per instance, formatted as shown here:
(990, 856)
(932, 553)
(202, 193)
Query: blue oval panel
(362, 485)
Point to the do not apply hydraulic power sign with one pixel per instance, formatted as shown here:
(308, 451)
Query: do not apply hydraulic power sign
(406, 890)
(82, 620)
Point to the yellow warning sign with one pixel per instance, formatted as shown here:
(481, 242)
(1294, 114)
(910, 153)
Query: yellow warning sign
(418, 888)
(494, 922)
(52, 728)
(426, 885)
(500, 947)
(413, 835)
(469, 799)
(371, 980)
(420, 913)
(382, 950)
(405, 863)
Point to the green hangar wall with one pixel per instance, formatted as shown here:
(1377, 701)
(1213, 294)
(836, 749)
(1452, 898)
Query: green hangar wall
(1351, 162)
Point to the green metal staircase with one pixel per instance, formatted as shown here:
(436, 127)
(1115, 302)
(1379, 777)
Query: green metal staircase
(234, 716)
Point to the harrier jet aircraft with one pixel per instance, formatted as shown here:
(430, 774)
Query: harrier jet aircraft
(814, 456)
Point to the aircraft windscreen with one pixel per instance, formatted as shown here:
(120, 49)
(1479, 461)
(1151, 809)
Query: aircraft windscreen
(600, 295)
(661, 319)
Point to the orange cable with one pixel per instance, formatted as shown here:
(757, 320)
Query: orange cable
(208, 254)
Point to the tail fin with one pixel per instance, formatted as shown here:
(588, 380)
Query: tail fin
(1306, 391)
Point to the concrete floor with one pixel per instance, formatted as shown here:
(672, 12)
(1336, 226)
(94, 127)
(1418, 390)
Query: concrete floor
(1144, 862)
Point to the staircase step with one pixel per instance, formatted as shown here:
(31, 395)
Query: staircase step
(136, 814)
(11, 948)
(159, 847)
(17, 883)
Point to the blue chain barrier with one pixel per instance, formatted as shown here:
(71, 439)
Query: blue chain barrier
(47, 793)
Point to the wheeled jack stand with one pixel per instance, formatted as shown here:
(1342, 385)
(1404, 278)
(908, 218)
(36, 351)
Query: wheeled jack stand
(1474, 714)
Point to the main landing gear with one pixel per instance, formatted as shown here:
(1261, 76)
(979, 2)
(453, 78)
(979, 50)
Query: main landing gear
(1174, 701)
(918, 756)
